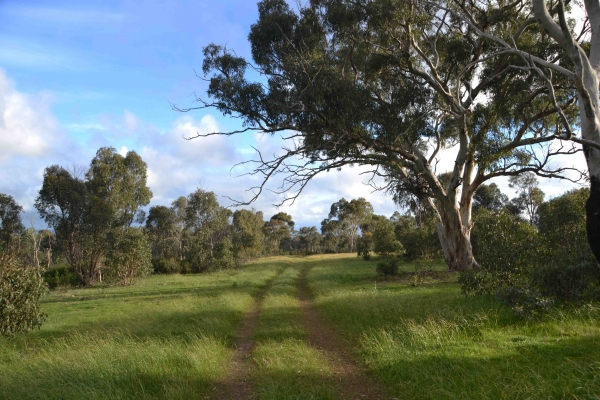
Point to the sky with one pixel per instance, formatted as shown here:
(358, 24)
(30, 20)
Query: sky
(77, 76)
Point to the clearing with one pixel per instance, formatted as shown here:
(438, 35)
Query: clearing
(318, 327)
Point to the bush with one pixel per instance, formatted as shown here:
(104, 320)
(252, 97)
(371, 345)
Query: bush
(389, 267)
(566, 281)
(61, 276)
(525, 301)
(420, 242)
(167, 266)
(478, 282)
(20, 291)
(505, 247)
(129, 256)
(364, 245)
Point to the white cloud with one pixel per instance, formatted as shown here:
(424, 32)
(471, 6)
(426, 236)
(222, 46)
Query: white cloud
(27, 127)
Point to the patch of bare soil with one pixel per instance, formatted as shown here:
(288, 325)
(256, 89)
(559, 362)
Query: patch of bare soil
(238, 384)
(350, 377)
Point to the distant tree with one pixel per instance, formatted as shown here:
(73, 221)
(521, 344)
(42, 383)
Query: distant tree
(129, 256)
(86, 214)
(489, 197)
(161, 226)
(10, 220)
(179, 207)
(248, 236)
(284, 217)
(332, 232)
(349, 215)
(209, 225)
(63, 202)
(384, 239)
(277, 230)
(530, 197)
(310, 239)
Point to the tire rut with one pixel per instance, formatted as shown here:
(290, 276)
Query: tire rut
(350, 377)
(238, 384)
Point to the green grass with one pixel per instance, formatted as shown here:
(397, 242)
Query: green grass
(430, 342)
(287, 367)
(171, 337)
(166, 337)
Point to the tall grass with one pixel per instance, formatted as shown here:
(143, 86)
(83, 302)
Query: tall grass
(171, 337)
(430, 342)
(167, 337)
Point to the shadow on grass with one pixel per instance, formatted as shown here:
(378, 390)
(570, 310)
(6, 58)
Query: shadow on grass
(105, 382)
(565, 369)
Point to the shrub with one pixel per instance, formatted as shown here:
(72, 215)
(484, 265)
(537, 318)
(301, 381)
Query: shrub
(384, 239)
(420, 242)
(505, 246)
(388, 267)
(364, 245)
(565, 281)
(20, 291)
(167, 266)
(525, 300)
(129, 256)
(61, 276)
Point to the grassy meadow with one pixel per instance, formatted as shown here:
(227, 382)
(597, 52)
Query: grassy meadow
(173, 337)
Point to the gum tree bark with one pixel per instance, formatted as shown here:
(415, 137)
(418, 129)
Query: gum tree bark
(586, 70)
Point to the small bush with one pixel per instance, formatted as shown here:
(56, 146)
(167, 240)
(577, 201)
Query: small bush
(388, 267)
(166, 266)
(525, 300)
(478, 282)
(61, 276)
(364, 245)
(566, 281)
(20, 291)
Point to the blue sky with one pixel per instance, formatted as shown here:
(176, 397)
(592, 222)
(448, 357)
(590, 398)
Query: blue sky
(76, 76)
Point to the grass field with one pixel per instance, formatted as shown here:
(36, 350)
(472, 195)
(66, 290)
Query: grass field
(175, 337)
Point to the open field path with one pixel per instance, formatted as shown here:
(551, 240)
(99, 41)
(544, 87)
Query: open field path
(350, 377)
(238, 384)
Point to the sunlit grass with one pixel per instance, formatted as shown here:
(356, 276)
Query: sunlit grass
(430, 342)
(166, 337)
(287, 367)
(171, 337)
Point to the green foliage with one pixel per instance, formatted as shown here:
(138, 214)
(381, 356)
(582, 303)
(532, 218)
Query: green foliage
(60, 276)
(21, 289)
(420, 241)
(248, 237)
(207, 225)
(388, 267)
(86, 214)
(167, 266)
(341, 228)
(384, 239)
(10, 221)
(505, 246)
(489, 197)
(526, 301)
(364, 245)
(129, 256)
(526, 267)
(309, 240)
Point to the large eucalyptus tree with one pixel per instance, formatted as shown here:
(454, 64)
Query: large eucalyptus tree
(388, 84)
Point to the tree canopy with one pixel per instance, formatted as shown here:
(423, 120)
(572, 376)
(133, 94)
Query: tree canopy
(388, 84)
